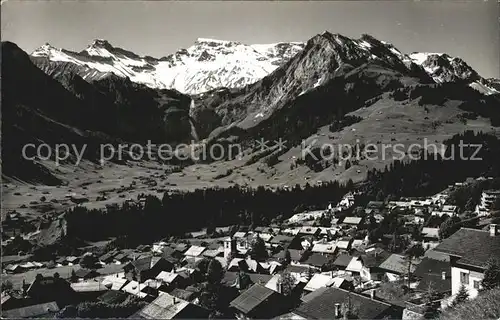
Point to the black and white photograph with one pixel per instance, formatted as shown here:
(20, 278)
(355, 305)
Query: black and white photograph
(250, 159)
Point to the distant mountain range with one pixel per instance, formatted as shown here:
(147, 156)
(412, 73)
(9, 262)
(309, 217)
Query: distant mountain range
(206, 65)
(211, 64)
(227, 91)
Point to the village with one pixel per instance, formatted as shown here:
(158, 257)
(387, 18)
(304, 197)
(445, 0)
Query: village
(396, 259)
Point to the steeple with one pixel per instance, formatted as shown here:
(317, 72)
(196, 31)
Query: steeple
(229, 247)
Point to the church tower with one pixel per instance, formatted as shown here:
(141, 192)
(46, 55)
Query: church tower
(229, 247)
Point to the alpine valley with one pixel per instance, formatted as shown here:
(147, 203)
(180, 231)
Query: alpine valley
(330, 90)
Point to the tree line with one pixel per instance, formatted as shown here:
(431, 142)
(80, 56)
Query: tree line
(181, 212)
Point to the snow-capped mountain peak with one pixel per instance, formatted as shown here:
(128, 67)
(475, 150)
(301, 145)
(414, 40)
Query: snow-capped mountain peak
(210, 63)
(444, 68)
(44, 50)
(206, 65)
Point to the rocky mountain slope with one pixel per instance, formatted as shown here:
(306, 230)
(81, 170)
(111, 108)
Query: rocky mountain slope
(206, 65)
(37, 108)
(332, 76)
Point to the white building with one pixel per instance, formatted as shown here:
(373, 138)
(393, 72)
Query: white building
(469, 251)
(488, 198)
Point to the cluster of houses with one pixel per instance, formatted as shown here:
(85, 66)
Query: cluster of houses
(308, 271)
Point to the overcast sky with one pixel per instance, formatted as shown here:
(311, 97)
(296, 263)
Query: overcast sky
(468, 29)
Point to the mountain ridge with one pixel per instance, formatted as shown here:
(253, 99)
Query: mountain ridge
(212, 64)
(216, 63)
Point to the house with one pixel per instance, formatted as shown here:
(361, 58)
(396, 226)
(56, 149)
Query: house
(43, 310)
(188, 274)
(469, 251)
(240, 235)
(376, 205)
(13, 268)
(171, 279)
(488, 198)
(347, 201)
(194, 252)
(282, 241)
(146, 268)
(11, 301)
(449, 210)
(184, 294)
(262, 230)
(179, 249)
(47, 289)
(171, 255)
(72, 260)
(122, 258)
(307, 243)
(112, 297)
(327, 303)
(232, 279)
(352, 221)
(85, 274)
(342, 282)
(324, 248)
(258, 302)
(430, 234)
(212, 253)
(344, 244)
(328, 233)
(435, 274)
(135, 288)
(275, 284)
(160, 246)
(368, 264)
(317, 281)
(396, 265)
(61, 262)
(342, 261)
(317, 260)
(152, 288)
(295, 255)
(166, 306)
(309, 231)
(89, 289)
(114, 282)
(108, 257)
(271, 267)
(247, 265)
(265, 236)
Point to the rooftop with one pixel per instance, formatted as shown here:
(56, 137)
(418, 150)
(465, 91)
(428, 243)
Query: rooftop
(250, 299)
(37, 310)
(168, 307)
(318, 281)
(342, 260)
(88, 286)
(474, 247)
(352, 220)
(430, 272)
(194, 251)
(322, 305)
(397, 264)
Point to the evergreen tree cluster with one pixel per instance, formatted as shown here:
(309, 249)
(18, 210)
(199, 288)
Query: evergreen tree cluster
(181, 212)
(434, 172)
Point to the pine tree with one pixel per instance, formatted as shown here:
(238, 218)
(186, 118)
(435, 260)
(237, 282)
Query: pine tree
(288, 257)
(215, 272)
(411, 253)
(491, 275)
(461, 296)
(258, 249)
(432, 304)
